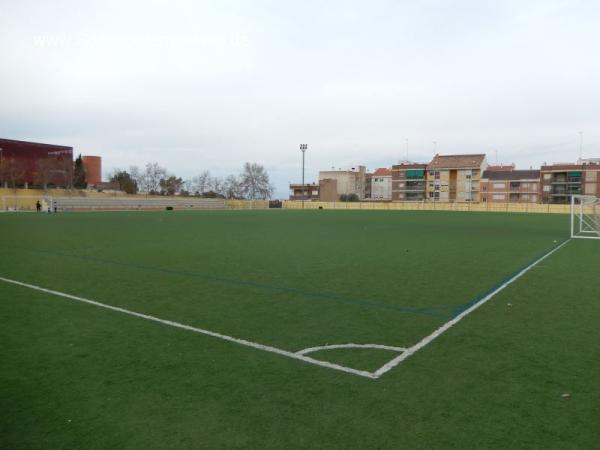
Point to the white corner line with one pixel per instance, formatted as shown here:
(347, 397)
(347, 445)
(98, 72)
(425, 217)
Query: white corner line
(351, 345)
(266, 348)
(437, 333)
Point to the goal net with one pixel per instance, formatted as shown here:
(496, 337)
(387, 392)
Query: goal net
(22, 202)
(585, 217)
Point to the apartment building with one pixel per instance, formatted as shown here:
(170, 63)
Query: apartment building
(346, 182)
(515, 186)
(368, 181)
(409, 182)
(453, 178)
(299, 191)
(562, 180)
(381, 184)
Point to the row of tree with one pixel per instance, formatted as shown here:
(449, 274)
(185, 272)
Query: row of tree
(252, 183)
(47, 172)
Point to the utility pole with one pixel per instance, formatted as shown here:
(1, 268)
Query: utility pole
(303, 148)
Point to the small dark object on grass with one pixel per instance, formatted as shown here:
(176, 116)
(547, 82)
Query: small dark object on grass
(169, 208)
(320, 207)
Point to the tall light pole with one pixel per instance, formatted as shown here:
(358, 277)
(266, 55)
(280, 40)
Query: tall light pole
(303, 148)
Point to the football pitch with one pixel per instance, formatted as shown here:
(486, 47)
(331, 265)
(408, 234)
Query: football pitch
(297, 329)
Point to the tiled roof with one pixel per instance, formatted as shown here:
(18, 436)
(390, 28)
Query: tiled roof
(456, 161)
(501, 168)
(547, 168)
(409, 166)
(511, 175)
(382, 172)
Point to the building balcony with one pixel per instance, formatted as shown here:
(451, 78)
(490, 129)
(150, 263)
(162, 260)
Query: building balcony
(304, 197)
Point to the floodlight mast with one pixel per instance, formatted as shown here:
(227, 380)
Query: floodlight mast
(303, 148)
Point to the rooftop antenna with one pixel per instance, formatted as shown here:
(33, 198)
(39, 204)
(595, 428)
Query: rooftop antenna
(581, 145)
(407, 149)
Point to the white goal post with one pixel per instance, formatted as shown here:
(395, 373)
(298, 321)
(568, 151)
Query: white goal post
(23, 202)
(585, 217)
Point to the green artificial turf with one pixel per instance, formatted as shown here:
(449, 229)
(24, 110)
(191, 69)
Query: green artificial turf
(77, 376)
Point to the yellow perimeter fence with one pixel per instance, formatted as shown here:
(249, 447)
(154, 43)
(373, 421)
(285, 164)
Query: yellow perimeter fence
(434, 206)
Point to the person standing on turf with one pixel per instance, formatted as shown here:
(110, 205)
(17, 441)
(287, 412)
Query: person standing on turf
(38, 206)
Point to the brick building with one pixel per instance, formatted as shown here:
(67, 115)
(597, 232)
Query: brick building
(30, 163)
(560, 181)
(409, 182)
(515, 186)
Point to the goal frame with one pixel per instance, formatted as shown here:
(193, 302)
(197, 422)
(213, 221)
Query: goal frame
(585, 224)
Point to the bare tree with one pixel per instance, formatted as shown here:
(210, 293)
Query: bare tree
(136, 175)
(12, 171)
(64, 169)
(170, 185)
(216, 185)
(43, 171)
(232, 187)
(202, 183)
(255, 182)
(152, 176)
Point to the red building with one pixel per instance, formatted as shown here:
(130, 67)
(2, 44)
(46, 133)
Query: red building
(30, 163)
(93, 169)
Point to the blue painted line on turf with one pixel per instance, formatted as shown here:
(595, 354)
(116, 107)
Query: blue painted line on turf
(429, 311)
(464, 306)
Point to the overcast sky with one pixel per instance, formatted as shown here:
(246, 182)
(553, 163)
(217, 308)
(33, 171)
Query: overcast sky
(208, 85)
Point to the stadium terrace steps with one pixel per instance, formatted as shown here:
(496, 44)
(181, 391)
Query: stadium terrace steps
(125, 203)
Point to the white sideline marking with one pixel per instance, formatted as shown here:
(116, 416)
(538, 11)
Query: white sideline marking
(266, 348)
(334, 346)
(437, 333)
(300, 355)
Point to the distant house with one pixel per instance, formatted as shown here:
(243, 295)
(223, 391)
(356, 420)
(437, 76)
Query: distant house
(334, 183)
(299, 191)
(381, 184)
(562, 180)
(455, 177)
(409, 182)
(515, 186)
